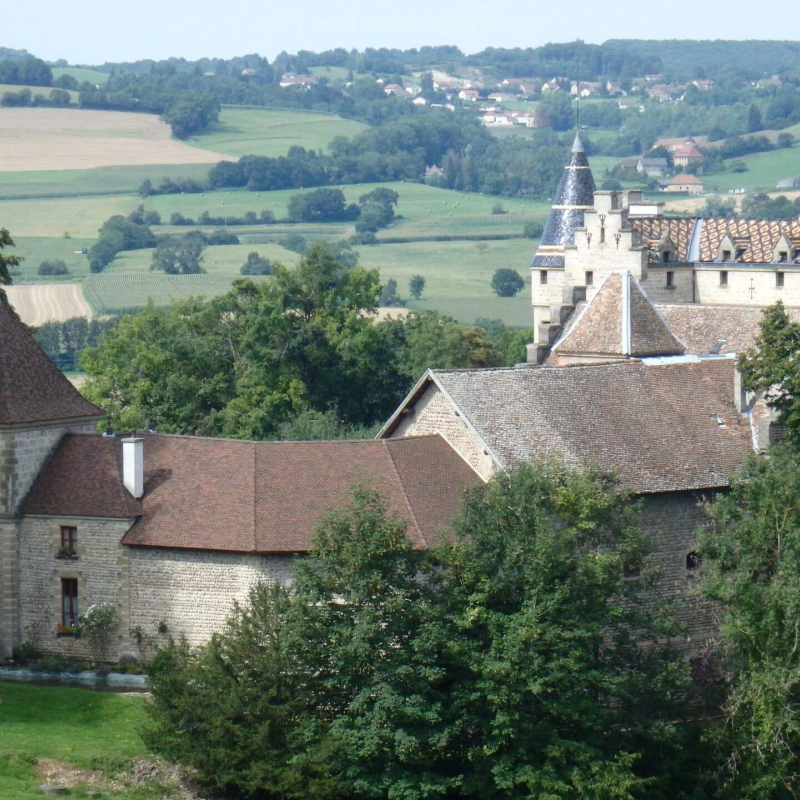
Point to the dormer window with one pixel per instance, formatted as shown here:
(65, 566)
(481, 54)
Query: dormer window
(726, 255)
(666, 256)
(783, 256)
(779, 279)
(740, 253)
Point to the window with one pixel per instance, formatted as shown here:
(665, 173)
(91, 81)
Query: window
(69, 601)
(783, 256)
(779, 279)
(589, 278)
(723, 278)
(693, 561)
(740, 253)
(69, 538)
(543, 277)
(632, 573)
(670, 279)
(666, 257)
(726, 255)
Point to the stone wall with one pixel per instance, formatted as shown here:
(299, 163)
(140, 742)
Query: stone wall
(682, 288)
(433, 413)
(22, 455)
(191, 593)
(747, 286)
(98, 569)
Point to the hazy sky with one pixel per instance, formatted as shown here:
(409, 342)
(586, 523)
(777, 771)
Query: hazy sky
(94, 31)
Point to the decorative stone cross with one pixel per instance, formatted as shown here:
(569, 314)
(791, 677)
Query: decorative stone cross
(752, 288)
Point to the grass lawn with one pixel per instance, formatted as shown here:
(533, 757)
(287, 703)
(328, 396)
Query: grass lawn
(88, 730)
(34, 90)
(100, 180)
(81, 74)
(271, 132)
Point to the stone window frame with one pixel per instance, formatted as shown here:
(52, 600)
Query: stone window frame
(66, 568)
(589, 277)
(55, 537)
(55, 593)
(723, 278)
(543, 277)
(780, 279)
(670, 284)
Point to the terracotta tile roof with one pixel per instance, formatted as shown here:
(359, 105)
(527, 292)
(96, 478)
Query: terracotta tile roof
(684, 180)
(83, 478)
(757, 237)
(222, 494)
(688, 151)
(619, 321)
(663, 427)
(32, 388)
(731, 328)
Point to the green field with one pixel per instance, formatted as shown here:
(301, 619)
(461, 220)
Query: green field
(34, 90)
(81, 74)
(87, 730)
(764, 170)
(34, 250)
(271, 132)
(101, 180)
(116, 292)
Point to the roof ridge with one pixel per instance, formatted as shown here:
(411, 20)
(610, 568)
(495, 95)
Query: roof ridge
(410, 508)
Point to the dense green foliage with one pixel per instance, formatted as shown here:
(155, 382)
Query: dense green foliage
(507, 282)
(116, 234)
(244, 363)
(751, 568)
(500, 664)
(762, 206)
(771, 365)
(65, 341)
(7, 262)
(26, 72)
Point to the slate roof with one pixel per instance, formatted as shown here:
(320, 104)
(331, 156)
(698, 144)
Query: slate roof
(574, 195)
(662, 427)
(251, 497)
(32, 388)
(619, 321)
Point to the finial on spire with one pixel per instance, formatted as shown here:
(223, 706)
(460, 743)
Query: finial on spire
(577, 145)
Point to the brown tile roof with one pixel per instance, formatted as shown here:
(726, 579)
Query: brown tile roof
(619, 321)
(32, 388)
(700, 328)
(757, 237)
(662, 427)
(222, 494)
(684, 180)
(688, 151)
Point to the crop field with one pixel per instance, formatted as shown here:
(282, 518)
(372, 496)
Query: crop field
(63, 138)
(271, 132)
(81, 74)
(114, 292)
(46, 302)
(34, 90)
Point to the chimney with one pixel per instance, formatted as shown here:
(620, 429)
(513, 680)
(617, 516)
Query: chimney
(133, 465)
(739, 393)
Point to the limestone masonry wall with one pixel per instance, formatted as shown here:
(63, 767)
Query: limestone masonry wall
(193, 592)
(433, 413)
(747, 287)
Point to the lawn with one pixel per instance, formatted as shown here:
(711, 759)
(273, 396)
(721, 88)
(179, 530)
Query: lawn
(34, 250)
(81, 74)
(88, 730)
(764, 170)
(34, 90)
(271, 132)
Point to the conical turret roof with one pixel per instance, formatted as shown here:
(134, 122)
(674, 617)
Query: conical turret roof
(32, 388)
(619, 322)
(575, 195)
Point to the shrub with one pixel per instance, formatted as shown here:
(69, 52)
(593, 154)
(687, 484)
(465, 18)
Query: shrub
(54, 267)
(256, 265)
(534, 228)
(499, 208)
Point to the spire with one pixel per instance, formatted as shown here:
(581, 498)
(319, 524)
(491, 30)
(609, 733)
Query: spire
(575, 194)
(618, 323)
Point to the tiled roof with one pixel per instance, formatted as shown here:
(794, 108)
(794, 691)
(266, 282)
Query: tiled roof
(682, 180)
(619, 321)
(574, 195)
(667, 427)
(688, 151)
(32, 388)
(651, 230)
(731, 328)
(222, 494)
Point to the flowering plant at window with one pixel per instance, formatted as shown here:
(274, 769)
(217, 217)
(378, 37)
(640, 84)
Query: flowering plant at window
(97, 623)
(67, 630)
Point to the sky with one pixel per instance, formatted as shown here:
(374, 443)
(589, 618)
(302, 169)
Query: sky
(93, 32)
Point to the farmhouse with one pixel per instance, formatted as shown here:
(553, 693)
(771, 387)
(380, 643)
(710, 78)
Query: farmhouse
(690, 184)
(686, 155)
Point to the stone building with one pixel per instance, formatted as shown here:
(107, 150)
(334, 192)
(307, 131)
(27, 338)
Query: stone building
(169, 530)
(693, 260)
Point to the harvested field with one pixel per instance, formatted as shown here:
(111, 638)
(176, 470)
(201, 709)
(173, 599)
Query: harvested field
(37, 304)
(62, 138)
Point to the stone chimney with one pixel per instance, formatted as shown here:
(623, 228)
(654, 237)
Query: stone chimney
(739, 393)
(133, 465)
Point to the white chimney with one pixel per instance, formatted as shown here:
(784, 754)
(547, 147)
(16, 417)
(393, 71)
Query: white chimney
(133, 466)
